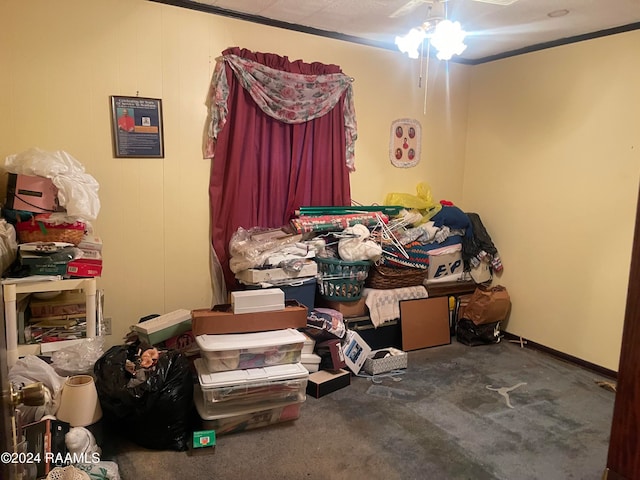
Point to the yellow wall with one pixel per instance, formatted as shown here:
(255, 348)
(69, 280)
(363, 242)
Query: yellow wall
(552, 166)
(543, 146)
(60, 62)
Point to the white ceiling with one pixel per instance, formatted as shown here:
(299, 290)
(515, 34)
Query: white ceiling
(494, 30)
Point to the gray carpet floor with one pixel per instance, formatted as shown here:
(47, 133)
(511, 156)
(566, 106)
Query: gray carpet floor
(445, 417)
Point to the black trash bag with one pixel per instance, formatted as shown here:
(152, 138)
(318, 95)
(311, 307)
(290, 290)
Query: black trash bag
(149, 404)
(471, 334)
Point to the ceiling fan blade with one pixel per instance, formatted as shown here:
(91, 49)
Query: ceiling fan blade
(408, 7)
(498, 2)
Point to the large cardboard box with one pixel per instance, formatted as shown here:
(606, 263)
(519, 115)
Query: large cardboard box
(357, 308)
(221, 319)
(424, 323)
(324, 382)
(444, 265)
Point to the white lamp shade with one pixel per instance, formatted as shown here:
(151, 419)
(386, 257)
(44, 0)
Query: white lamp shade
(79, 404)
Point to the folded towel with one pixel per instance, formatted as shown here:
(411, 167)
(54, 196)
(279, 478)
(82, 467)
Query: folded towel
(384, 305)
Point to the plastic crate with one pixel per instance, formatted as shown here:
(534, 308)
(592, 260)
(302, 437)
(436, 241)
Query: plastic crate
(341, 280)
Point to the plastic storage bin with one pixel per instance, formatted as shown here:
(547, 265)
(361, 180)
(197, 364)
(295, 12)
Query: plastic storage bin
(311, 361)
(240, 351)
(245, 418)
(226, 392)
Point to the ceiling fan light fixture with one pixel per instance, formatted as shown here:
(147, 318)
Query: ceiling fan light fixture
(448, 39)
(410, 43)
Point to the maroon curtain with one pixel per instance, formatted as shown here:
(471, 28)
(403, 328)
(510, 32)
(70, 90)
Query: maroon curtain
(264, 169)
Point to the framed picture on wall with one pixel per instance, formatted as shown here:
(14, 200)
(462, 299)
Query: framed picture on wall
(136, 125)
(405, 143)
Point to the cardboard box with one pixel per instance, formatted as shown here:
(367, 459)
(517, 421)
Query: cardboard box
(32, 194)
(203, 442)
(185, 343)
(348, 309)
(253, 301)
(91, 242)
(221, 319)
(83, 269)
(424, 322)
(355, 351)
(163, 327)
(396, 360)
(445, 264)
(67, 303)
(89, 265)
(332, 354)
(324, 382)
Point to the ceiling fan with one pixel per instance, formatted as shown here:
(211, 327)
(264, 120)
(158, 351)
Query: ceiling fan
(445, 35)
(412, 4)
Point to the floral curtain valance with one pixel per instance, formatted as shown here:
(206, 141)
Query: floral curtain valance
(287, 97)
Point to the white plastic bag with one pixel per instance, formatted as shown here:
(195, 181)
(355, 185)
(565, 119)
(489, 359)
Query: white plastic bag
(77, 190)
(8, 245)
(78, 358)
(31, 369)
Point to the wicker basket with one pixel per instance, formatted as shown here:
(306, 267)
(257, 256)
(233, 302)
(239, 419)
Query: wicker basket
(340, 280)
(383, 278)
(42, 231)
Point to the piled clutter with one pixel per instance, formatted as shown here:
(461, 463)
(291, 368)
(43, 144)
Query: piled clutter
(274, 258)
(52, 318)
(480, 314)
(50, 203)
(57, 423)
(375, 268)
(249, 371)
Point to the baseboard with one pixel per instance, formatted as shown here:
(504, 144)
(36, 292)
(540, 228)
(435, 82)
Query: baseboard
(562, 356)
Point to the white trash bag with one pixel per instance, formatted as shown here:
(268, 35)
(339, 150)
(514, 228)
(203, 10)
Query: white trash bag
(31, 369)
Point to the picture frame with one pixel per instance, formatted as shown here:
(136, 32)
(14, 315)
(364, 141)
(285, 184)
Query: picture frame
(405, 143)
(137, 127)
